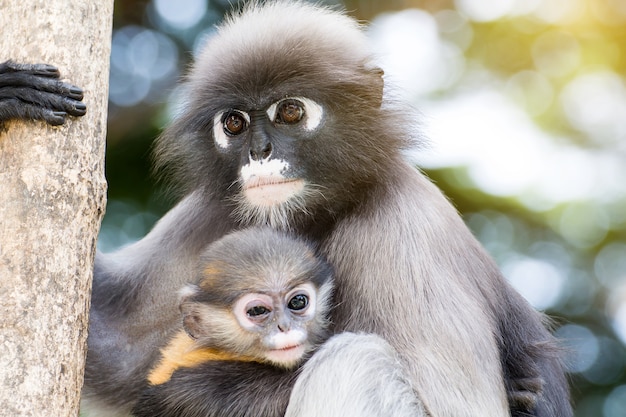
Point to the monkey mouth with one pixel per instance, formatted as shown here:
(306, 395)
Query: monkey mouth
(288, 348)
(264, 181)
(288, 355)
(271, 190)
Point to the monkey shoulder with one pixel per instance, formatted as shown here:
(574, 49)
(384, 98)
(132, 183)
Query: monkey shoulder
(34, 92)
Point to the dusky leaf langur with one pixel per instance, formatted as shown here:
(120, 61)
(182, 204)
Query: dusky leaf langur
(259, 307)
(285, 124)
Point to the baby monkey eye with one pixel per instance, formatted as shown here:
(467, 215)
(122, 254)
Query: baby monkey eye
(257, 311)
(234, 123)
(289, 112)
(298, 302)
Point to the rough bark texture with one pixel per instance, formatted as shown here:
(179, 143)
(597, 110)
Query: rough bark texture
(52, 196)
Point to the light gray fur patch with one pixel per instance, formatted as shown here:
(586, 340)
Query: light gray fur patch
(354, 375)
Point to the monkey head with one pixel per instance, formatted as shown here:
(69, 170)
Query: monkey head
(289, 126)
(260, 294)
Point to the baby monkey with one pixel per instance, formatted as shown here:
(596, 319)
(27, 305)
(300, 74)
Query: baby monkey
(260, 305)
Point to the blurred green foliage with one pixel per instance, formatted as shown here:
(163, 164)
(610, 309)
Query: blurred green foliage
(560, 62)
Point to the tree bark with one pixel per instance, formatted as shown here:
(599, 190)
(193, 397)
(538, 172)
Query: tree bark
(52, 196)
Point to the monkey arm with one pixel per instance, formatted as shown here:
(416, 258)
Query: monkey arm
(354, 374)
(533, 376)
(34, 92)
(219, 388)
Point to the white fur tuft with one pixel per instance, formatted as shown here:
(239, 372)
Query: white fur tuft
(277, 216)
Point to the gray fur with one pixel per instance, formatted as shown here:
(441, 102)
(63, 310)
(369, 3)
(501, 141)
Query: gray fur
(362, 370)
(437, 316)
(407, 268)
(220, 389)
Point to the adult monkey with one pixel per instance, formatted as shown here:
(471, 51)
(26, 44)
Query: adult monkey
(285, 124)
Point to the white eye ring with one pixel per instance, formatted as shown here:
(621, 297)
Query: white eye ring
(221, 138)
(245, 303)
(309, 291)
(313, 112)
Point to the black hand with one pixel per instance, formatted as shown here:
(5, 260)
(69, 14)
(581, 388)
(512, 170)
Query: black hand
(33, 91)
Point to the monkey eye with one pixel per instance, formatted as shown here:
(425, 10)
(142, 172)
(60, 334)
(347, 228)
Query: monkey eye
(234, 122)
(257, 310)
(298, 302)
(289, 112)
(296, 110)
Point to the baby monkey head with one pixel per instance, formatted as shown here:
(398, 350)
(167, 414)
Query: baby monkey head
(260, 294)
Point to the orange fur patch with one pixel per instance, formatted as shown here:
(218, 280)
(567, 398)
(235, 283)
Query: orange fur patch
(213, 271)
(183, 352)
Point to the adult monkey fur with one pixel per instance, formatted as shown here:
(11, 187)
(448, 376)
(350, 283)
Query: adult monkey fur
(259, 292)
(285, 124)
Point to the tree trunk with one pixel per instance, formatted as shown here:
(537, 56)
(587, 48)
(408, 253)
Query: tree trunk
(52, 196)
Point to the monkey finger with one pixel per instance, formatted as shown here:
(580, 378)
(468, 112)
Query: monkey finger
(71, 91)
(53, 118)
(67, 104)
(75, 108)
(50, 85)
(46, 100)
(42, 70)
(15, 109)
(54, 86)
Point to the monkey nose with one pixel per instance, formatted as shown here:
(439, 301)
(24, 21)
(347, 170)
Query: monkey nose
(261, 152)
(283, 326)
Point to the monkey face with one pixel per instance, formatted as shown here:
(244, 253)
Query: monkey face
(275, 327)
(295, 159)
(273, 181)
(280, 323)
(266, 175)
(260, 293)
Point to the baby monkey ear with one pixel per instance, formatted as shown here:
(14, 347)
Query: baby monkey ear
(192, 323)
(189, 309)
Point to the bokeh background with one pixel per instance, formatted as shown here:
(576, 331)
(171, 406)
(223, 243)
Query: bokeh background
(524, 105)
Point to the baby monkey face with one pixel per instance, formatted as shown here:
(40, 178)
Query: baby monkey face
(278, 326)
(261, 295)
(280, 322)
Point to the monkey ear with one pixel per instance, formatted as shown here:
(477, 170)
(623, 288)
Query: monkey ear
(189, 309)
(192, 322)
